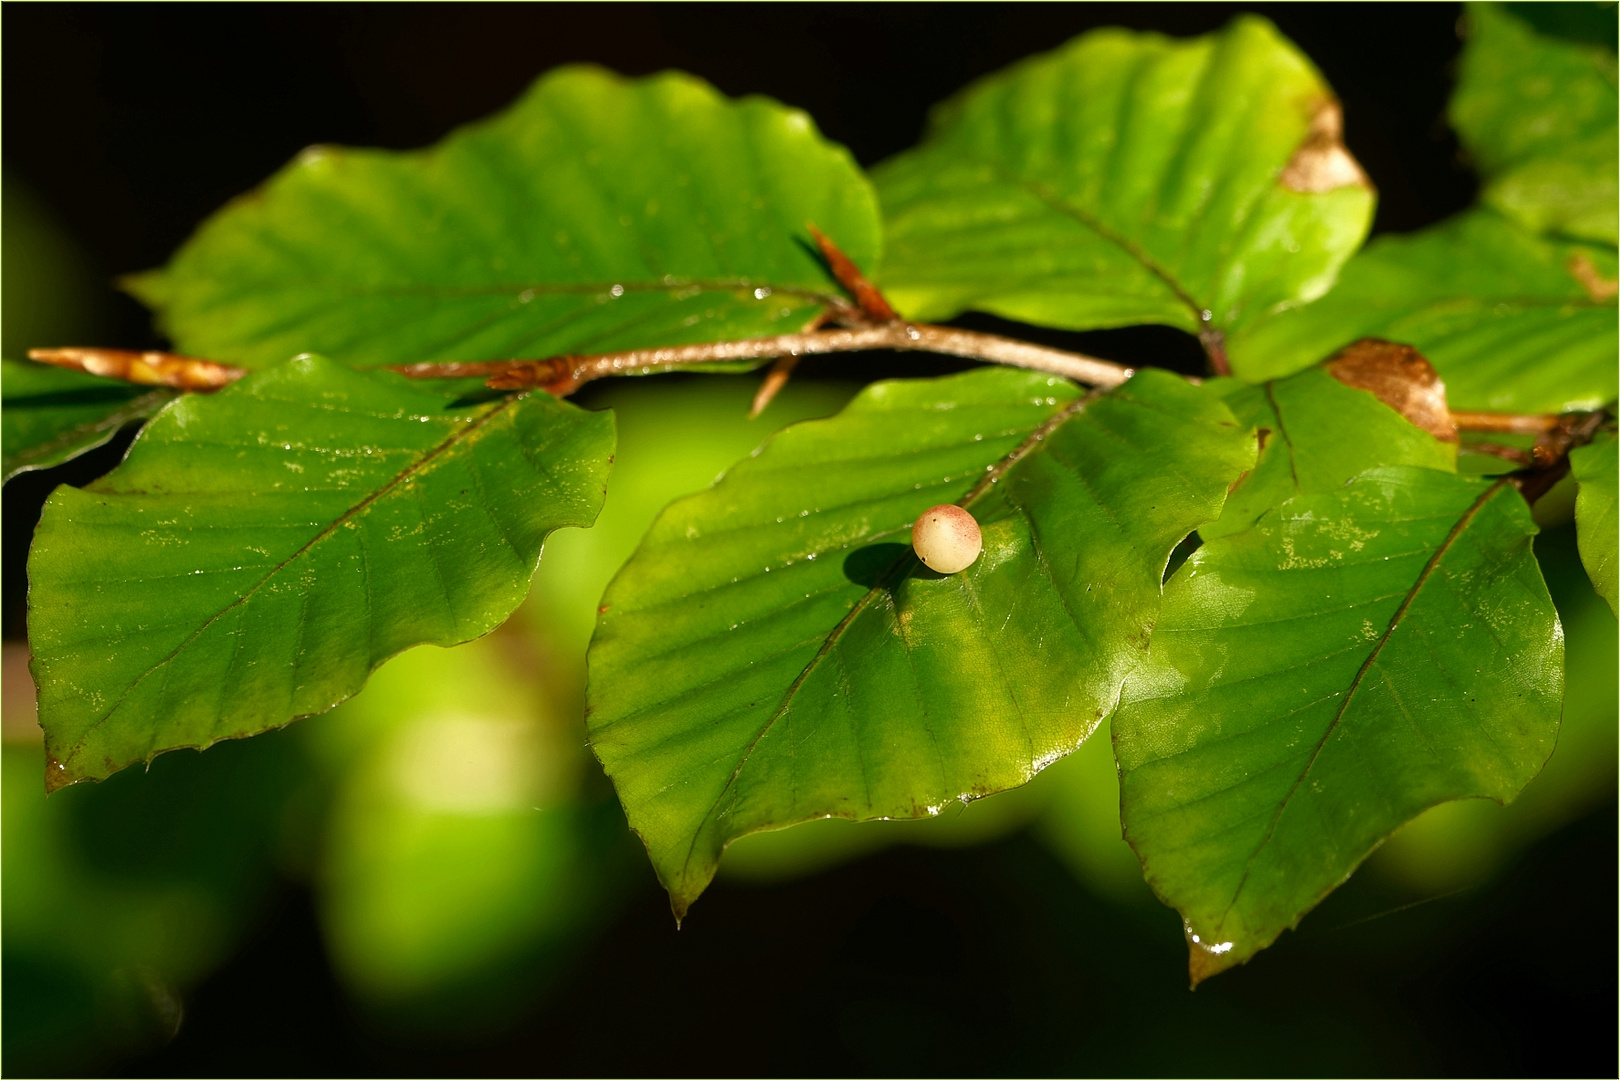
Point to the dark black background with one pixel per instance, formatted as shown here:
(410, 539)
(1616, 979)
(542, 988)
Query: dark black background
(133, 122)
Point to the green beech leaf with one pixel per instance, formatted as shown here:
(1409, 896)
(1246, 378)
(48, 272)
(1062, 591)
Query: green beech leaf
(1539, 116)
(1128, 178)
(50, 414)
(773, 652)
(1318, 434)
(1358, 656)
(595, 214)
(1596, 527)
(261, 550)
(1502, 315)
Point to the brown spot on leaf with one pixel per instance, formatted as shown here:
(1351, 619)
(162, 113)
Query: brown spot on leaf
(1401, 378)
(1203, 962)
(1322, 163)
(1598, 287)
(56, 776)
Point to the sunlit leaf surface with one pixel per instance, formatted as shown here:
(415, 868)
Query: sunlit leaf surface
(597, 213)
(50, 415)
(261, 550)
(1318, 434)
(1357, 657)
(773, 652)
(1597, 529)
(1509, 320)
(1128, 178)
(1537, 115)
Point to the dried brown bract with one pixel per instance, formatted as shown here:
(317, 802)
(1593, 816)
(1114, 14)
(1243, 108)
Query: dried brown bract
(144, 368)
(1401, 378)
(1322, 163)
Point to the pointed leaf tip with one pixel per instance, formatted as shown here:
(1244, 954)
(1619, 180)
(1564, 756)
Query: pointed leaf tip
(1400, 377)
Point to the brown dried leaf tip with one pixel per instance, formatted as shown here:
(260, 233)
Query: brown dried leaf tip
(1401, 378)
(1322, 163)
(144, 368)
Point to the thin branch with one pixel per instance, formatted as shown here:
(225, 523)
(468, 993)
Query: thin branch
(564, 374)
(144, 368)
(1549, 457)
(871, 309)
(1505, 423)
(1516, 455)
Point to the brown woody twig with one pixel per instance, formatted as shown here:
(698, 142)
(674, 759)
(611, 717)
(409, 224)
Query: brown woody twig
(1506, 423)
(563, 375)
(144, 368)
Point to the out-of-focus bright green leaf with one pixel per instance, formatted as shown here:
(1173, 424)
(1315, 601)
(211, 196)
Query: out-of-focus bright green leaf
(773, 652)
(1315, 682)
(261, 550)
(1319, 433)
(1595, 469)
(1539, 116)
(1502, 315)
(453, 855)
(49, 414)
(1128, 178)
(595, 214)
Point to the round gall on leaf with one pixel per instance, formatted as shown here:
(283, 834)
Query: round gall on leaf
(946, 539)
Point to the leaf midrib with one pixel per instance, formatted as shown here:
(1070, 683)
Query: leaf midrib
(554, 288)
(416, 468)
(1062, 206)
